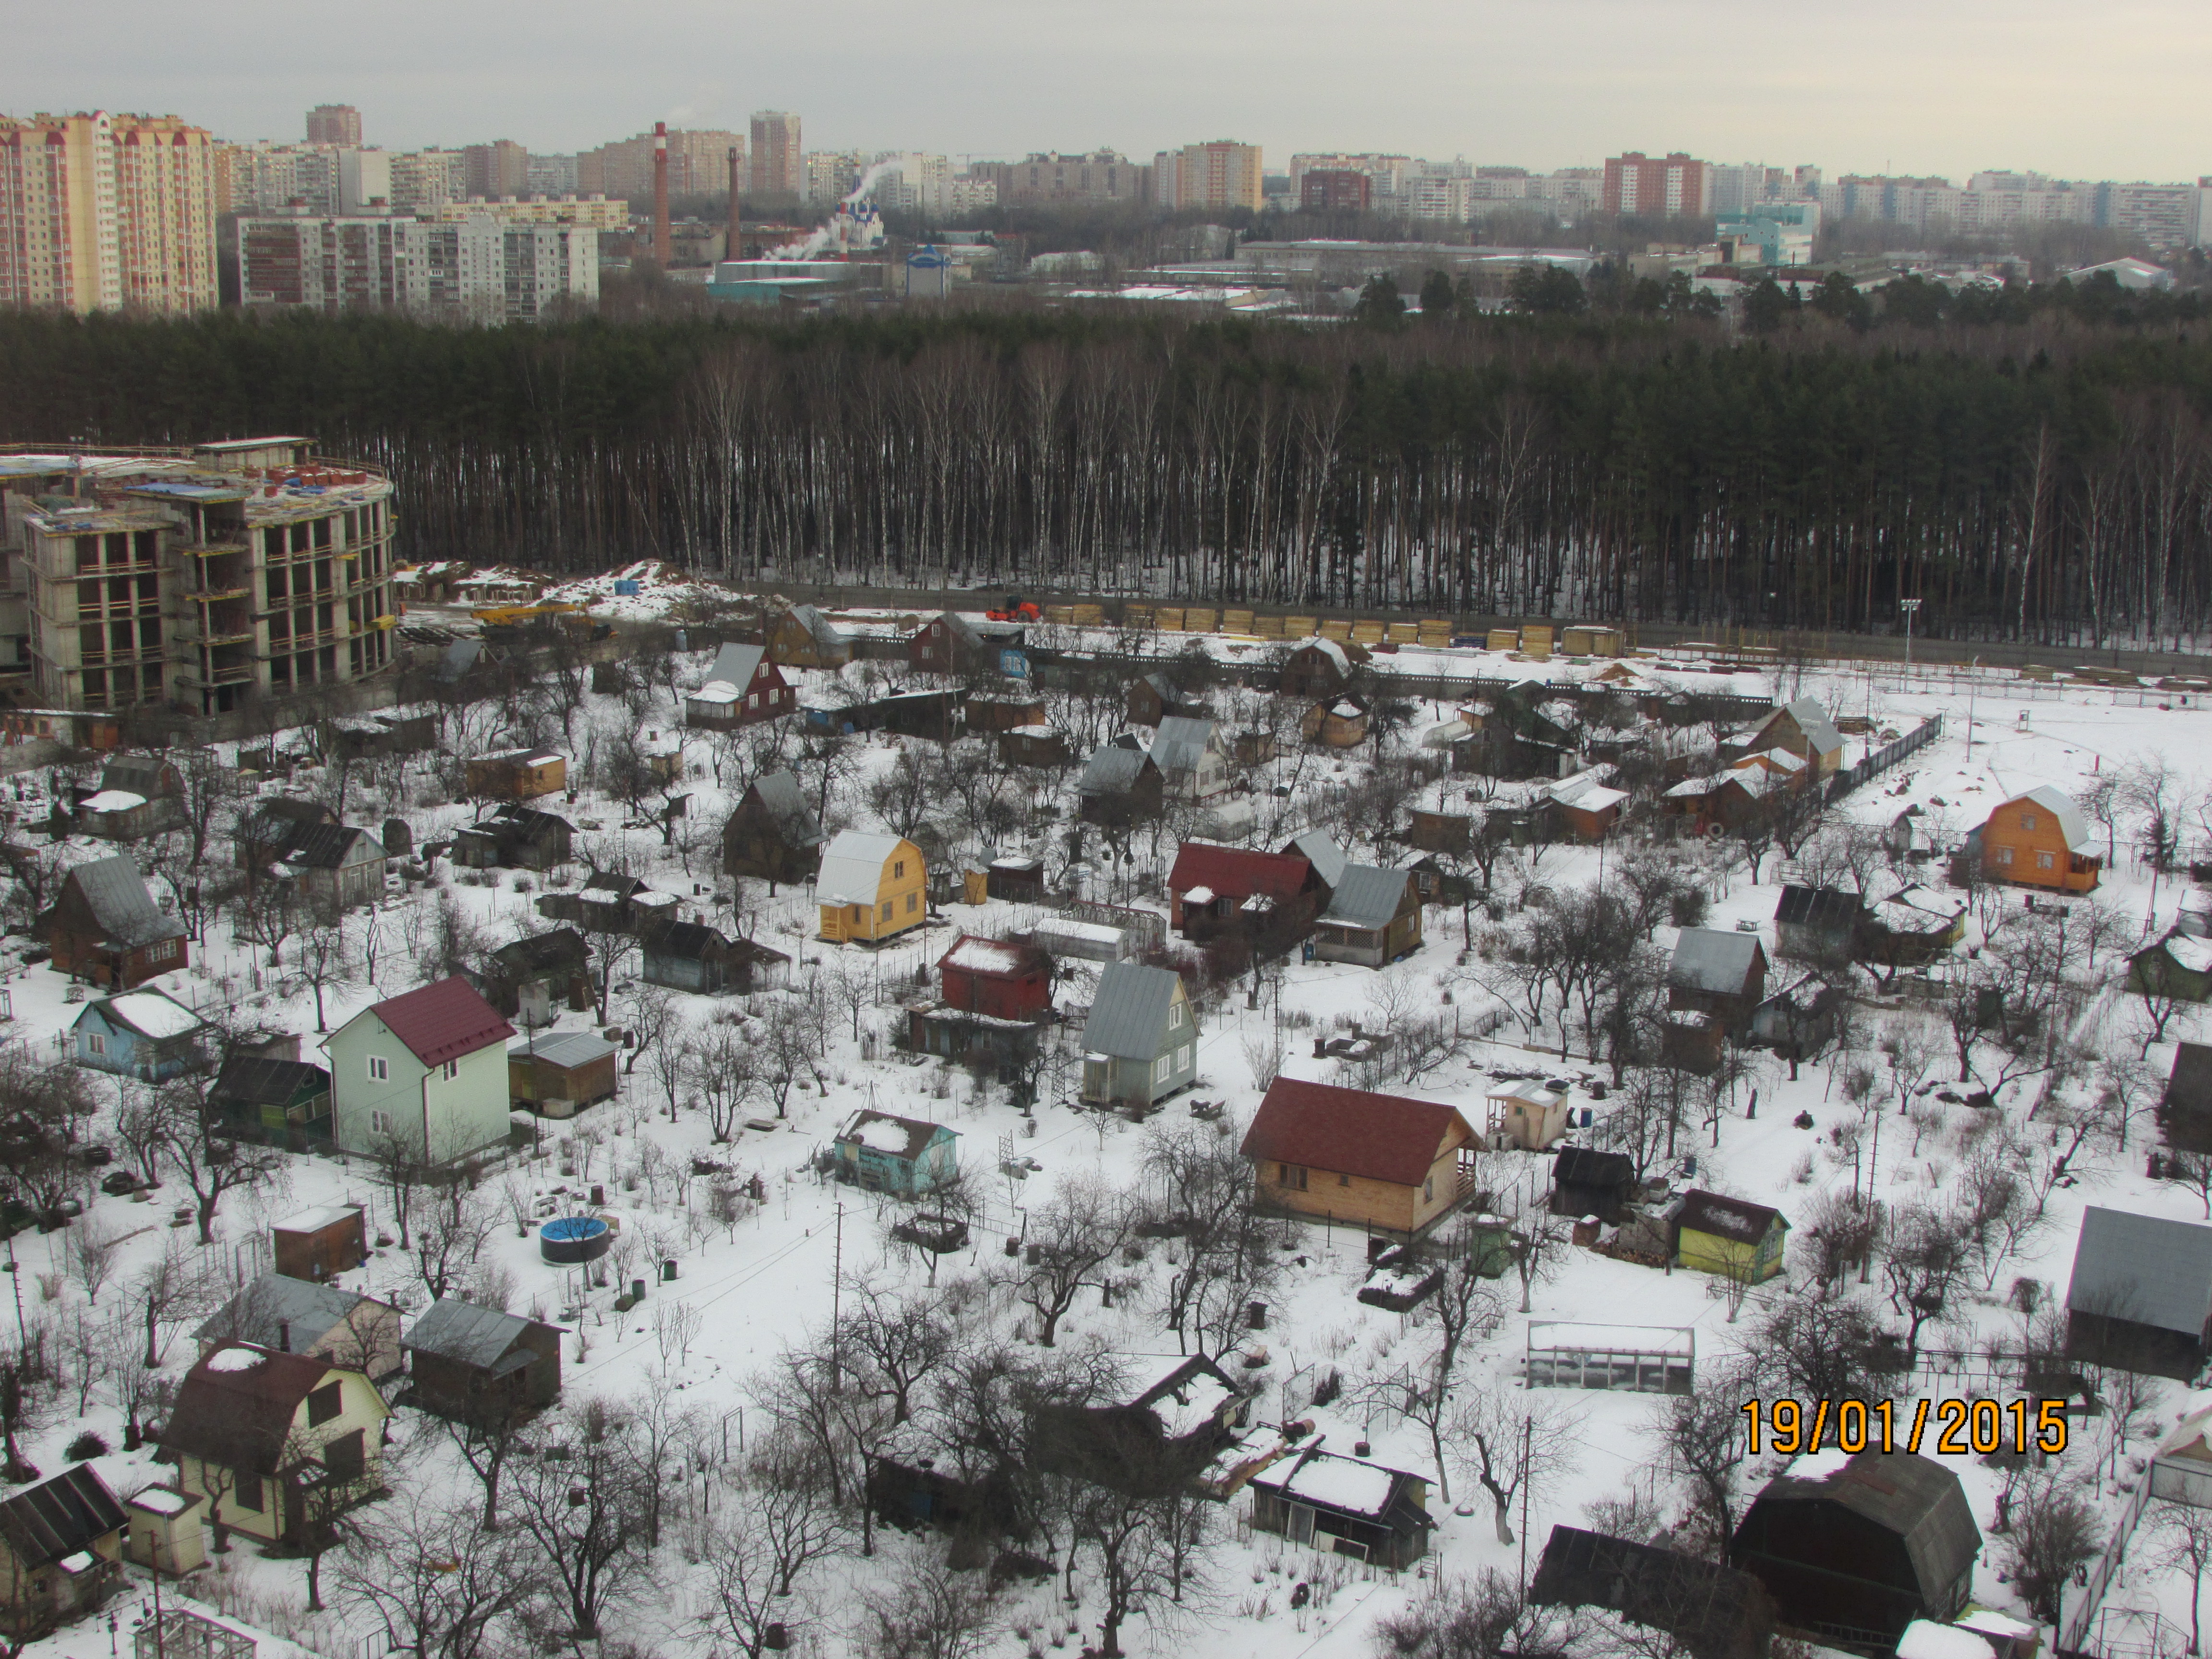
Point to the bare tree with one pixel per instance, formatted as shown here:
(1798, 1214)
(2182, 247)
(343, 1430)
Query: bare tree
(1703, 1436)
(441, 1583)
(584, 1510)
(203, 1150)
(2185, 1535)
(1069, 1241)
(928, 1611)
(2054, 1530)
(1513, 1442)
(451, 1234)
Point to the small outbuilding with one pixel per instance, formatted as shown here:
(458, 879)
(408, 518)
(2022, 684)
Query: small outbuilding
(291, 1316)
(1820, 923)
(1529, 1114)
(2178, 966)
(61, 1552)
(319, 1243)
(516, 774)
(1373, 917)
(477, 1364)
(514, 838)
(266, 1098)
(139, 795)
(773, 834)
(1713, 1611)
(1730, 1237)
(690, 955)
(2185, 1113)
(1120, 786)
(1339, 723)
(1036, 744)
(1853, 1549)
(558, 1073)
(1586, 1182)
(143, 1033)
(2140, 1297)
(885, 1153)
(1721, 974)
(1349, 1506)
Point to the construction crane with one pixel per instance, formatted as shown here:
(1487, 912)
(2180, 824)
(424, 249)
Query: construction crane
(507, 616)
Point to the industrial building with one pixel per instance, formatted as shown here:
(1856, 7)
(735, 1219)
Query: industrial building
(191, 577)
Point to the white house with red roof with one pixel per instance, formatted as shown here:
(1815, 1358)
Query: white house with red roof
(426, 1071)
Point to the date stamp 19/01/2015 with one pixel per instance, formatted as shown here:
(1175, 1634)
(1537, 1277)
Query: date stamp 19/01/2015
(1950, 1428)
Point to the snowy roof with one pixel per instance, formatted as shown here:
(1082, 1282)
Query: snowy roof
(117, 894)
(58, 1520)
(2144, 1269)
(1129, 1013)
(984, 956)
(2060, 805)
(314, 1220)
(1707, 959)
(1586, 792)
(111, 800)
(2188, 953)
(1188, 1394)
(161, 1500)
(716, 691)
(734, 665)
(1541, 1096)
(1727, 1217)
(1200, 895)
(1366, 896)
(1089, 932)
(568, 1049)
(1113, 766)
(1328, 649)
(1032, 731)
(1444, 734)
(1925, 1639)
(149, 1013)
(905, 1137)
(1329, 1480)
(1570, 1336)
(853, 866)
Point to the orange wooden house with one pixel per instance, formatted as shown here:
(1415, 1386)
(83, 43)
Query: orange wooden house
(2036, 840)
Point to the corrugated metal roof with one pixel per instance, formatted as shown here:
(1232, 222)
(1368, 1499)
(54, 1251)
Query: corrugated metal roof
(779, 796)
(2071, 824)
(58, 1517)
(1112, 767)
(565, 1048)
(462, 1331)
(117, 894)
(331, 845)
(1182, 743)
(2145, 1269)
(1366, 896)
(274, 1307)
(734, 665)
(443, 1021)
(1355, 1132)
(1820, 733)
(258, 1080)
(1238, 872)
(1319, 849)
(1129, 1015)
(1913, 1498)
(853, 866)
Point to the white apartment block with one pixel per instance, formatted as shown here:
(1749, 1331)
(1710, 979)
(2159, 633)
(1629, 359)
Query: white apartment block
(478, 269)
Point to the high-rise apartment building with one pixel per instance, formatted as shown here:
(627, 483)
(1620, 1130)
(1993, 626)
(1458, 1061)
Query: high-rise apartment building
(1335, 190)
(499, 168)
(1219, 175)
(552, 175)
(1104, 175)
(364, 181)
(777, 154)
(424, 181)
(99, 212)
(1670, 187)
(913, 181)
(479, 268)
(196, 577)
(266, 178)
(698, 165)
(829, 176)
(334, 124)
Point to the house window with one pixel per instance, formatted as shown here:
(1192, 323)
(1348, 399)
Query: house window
(898, 870)
(887, 910)
(379, 1069)
(1429, 1190)
(1160, 1069)
(1175, 1015)
(95, 1043)
(2046, 861)
(2028, 820)
(752, 700)
(379, 1123)
(324, 1404)
(1344, 1181)
(345, 1458)
(1182, 1058)
(248, 1494)
(2004, 855)
(911, 900)
(450, 1070)
(1292, 1176)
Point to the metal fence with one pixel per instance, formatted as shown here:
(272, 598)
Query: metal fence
(1882, 759)
(2090, 1594)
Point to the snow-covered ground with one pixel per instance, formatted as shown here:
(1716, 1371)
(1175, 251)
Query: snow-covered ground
(768, 1281)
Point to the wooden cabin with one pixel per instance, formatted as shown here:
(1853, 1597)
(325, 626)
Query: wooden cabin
(268, 1097)
(1348, 1506)
(1321, 668)
(885, 1153)
(1032, 745)
(1387, 1162)
(105, 928)
(514, 838)
(1268, 899)
(319, 1243)
(141, 1034)
(61, 1552)
(2036, 840)
(558, 1073)
(690, 955)
(478, 1365)
(1800, 727)
(1119, 786)
(1339, 723)
(517, 775)
(870, 887)
(1006, 712)
(800, 636)
(289, 1315)
(1730, 1237)
(773, 834)
(2140, 1295)
(742, 687)
(1373, 918)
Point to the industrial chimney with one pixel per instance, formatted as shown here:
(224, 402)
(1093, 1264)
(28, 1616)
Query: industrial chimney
(663, 246)
(730, 237)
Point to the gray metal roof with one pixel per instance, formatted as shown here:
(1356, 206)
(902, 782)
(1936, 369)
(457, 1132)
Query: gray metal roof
(465, 1332)
(117, 893)
(460, 656)
(1706, 959)
(1319, 849)
(274, 1306)
(735, 664)
(1366, 896)
(333, 846)
(780, 796)
(1813, 721)
(1915, 1499)
(2061, 806)
(568, 1048)
(1129, 1016)
(1182, 743)
(1112, 767)
(2145, 1269)
(140, 774)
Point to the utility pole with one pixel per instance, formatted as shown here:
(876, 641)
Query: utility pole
(1910, 608)
(1527, 1434)
(836, 1290)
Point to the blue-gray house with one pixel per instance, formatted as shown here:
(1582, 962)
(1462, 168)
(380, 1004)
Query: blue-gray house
(141, 1034)
(888, 1154)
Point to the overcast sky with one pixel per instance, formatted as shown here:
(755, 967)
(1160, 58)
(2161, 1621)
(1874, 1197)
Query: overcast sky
(2114, 90)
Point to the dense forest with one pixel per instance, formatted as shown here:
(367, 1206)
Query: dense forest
(2034, 464)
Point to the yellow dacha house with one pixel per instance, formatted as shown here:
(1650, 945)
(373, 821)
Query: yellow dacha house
(871, 888)
(1729, 1238)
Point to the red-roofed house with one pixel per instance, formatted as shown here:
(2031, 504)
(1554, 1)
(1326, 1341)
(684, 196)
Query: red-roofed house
(1397, 1165)
(995, 999)
(1271, 899)
(426, 1071)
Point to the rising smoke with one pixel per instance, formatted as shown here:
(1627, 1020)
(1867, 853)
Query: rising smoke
(816, 240)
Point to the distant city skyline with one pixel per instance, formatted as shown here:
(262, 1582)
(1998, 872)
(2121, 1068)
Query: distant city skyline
(1945, 89)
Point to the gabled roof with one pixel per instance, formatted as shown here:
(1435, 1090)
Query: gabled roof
(117, 894)
(459, 658)
(1319, 849)
(1817, 907)
(1238, 872)
(274, 1307)
(993, 958)
(143, 775)
(513, 819)
(1821, 734)
(1112, 767)
(824, 631)
(734, 665)
(258, 1080)
(1352, 1132)
(150, 1014)
(558, 948)
(462, 1331)
(58, 1517)
(907, 1138)
(1340, 1485)
(235, 1407)
(1367, 896)
(1707, 959)
(329, 846)
(1182, 743)
(1585, 1166)
(853, 866)
(1723, 1217)
(443, 1021)
(2190, 1084)
(2145, 1269)
(1913, 1498)
(779, 796)
(1715, 1611)
(2060, 805)
(1129, 1014)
